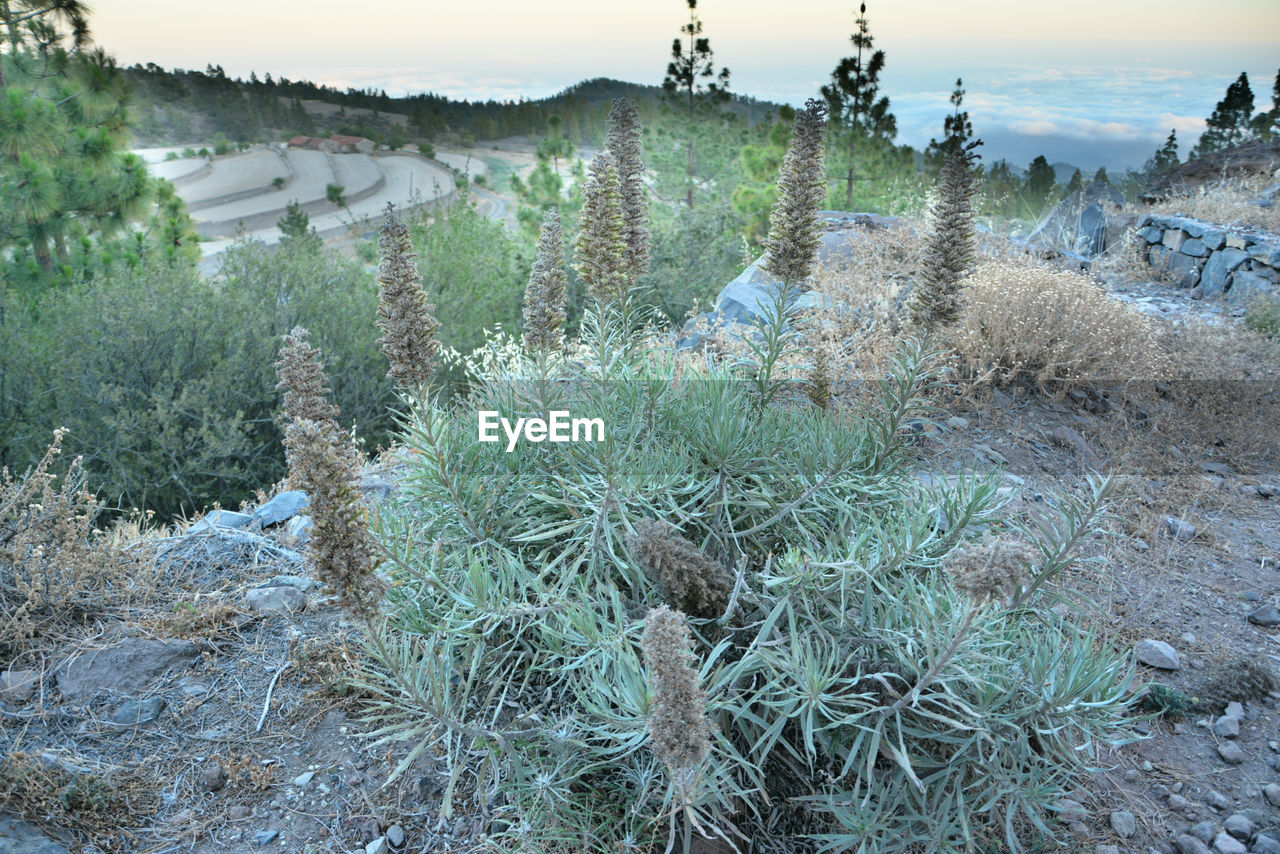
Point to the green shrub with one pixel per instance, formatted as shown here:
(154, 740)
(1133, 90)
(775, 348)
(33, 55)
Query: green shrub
(1263, 317)
(858, 697)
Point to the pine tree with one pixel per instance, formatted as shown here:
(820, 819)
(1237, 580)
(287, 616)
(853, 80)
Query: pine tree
(1166, 157)
(1040, 180)
(1229, 124)
(544, 297)
(1101, 177)
(623, 141)
(601, 247)
(794, 236)
(1266, 125)
(949, 249)
(1076, 184)
(957, 130)
(852, 92)
(693, 83)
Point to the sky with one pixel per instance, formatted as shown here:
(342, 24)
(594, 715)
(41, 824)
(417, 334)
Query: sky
(1087, 82)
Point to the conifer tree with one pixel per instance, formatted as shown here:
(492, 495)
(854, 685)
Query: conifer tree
(693, 85)
(1101, 177)
(544, 297)
(1266, 125)
(1230, 123)
(949, 249)
(1076, 184)
(957, 130)
(1166, 157)
(601, 247)
(623, 141)
(851, 95)
(1040, 180)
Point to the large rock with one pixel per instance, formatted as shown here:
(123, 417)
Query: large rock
(129, 667)
(1158, 654)
(221, 519)
(1079, 223)
(1220, 265)
(21, 838)
(281, 508)
(1246, 286)
(1259, 158)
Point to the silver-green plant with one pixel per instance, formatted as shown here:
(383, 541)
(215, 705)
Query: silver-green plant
(858, 697)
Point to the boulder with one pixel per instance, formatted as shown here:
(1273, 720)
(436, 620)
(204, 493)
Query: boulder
(129, 667)
(221, 519)
(283, 599)
(1158, 654)
(1079, 223)
(17, 686)
(22, 838)
(1220, 265)
(281, 508)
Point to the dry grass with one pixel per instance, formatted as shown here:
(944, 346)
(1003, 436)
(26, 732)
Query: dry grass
(1054, 328)
(56, 568)
(1228, 202)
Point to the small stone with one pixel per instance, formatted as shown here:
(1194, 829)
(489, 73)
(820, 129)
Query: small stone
(1231, 753)
(278, 599)
(1217, 800)
(221, 519)
(1147, 766)
(1106, 849)
(395, 836)
(1160, 791)
(1223, 843)
(1265, 616)
(1132, 775)
(1158, 654)
(377, 846)
(239, 812)
(17, 686)
(213, 777)
(1225, 727)
(1187, 638)
(1069, 810)
(1178, 802)
(1239, 826)
(1177, 787)
(1234, 710)
(1180, 529)
(1265, 844)
(265, 837)
(304, 778)
(957, 423)
(1124, 824)
(1190, 845)
(1205, 831)
(1271, 792)
(1078, 828)
(283, 507)
(137, 712)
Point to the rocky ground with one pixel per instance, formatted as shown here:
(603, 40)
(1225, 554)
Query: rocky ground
(227, 717)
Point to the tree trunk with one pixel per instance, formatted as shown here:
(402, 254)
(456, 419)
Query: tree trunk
(848, 194)
(690, 176)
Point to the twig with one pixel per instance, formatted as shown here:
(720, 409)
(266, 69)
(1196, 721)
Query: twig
(270, 689)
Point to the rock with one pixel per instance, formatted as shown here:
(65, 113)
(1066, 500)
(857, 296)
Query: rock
(128, 667)
(239, 812)
(1196, 293)
(281, 508)
(221, 519)
(1246, 286)
(395, 836)
(377, 846)
(1132, 775)
(1265, 844)
(1194, 247)
(1225, 727)
(17, 686)
(21, 838)
(1217, 800)
(1205, 831)
(1271, 792)
(1231, 753)
(1078, 828)
(1178, 802)
(304, 778)
(1106, 849)
(1218, 268)
(1180, 529)
(299, 527)
(278, 599)
(1187, 844)
(1124, 824)
(957, 423)
(1257, 158)
(1072, 439)
(1223, 843)
(213, 777)
(137, 712)
(1069, 810)
(298, 582)
(1240, 826)
(1266, 616)
(1234, 710)
(1151, 234)
(265, 837)
(1158, 654)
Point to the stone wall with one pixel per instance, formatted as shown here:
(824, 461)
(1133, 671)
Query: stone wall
(1219, 261)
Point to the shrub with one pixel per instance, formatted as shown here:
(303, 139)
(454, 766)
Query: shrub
(848, 677)
(1054, 328)
(1263, 317)
(337, 194)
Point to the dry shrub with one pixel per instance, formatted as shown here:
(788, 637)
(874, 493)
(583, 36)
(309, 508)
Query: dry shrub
(50, 791)
(1238, 680)
(1055, 328)
(55, 567)
(1231, 201)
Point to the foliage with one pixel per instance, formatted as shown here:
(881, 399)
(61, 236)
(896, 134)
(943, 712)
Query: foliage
(957, 130)
(847, 677)
(1263, 317)
(337, 194)
(695, 254)
(694, 90)
(1230, 122)
(1055, 328)
(1166, 157)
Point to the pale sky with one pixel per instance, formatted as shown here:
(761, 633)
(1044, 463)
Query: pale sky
(1086, 81)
